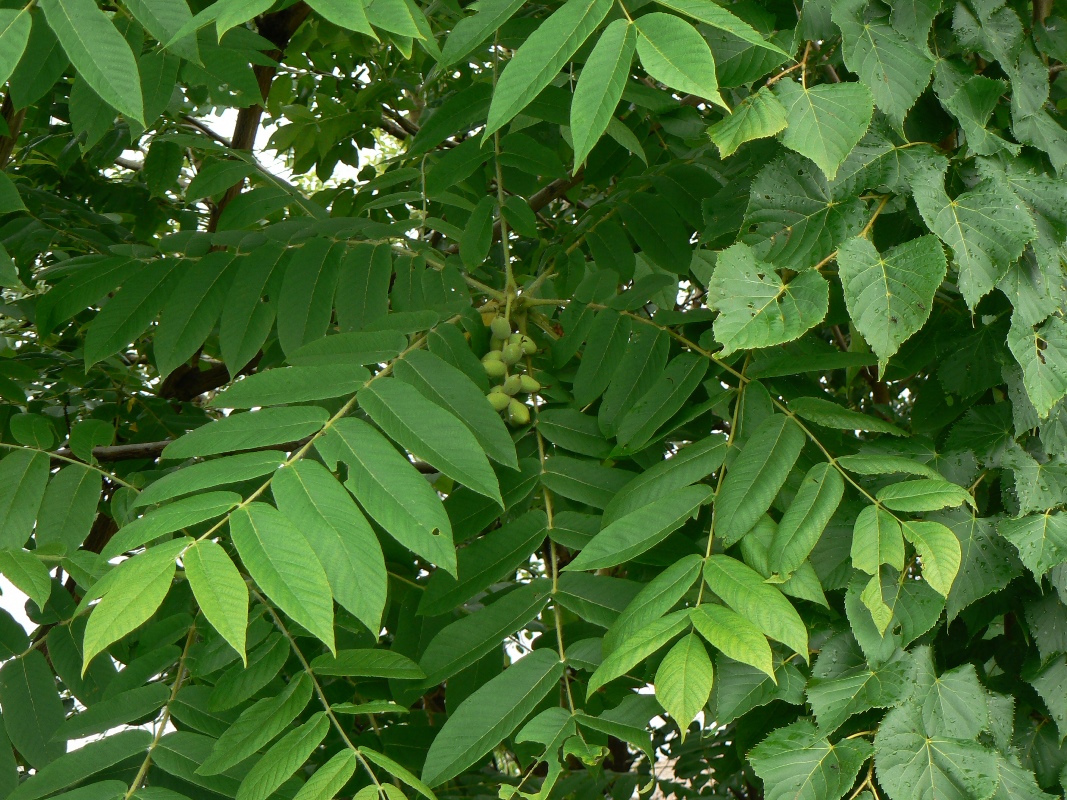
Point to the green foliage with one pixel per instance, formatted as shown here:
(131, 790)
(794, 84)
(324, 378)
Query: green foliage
(562, 400)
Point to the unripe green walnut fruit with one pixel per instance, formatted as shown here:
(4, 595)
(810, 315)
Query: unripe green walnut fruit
(512, 385)
(515, 338)
(498, 399)
(528, 385)
(495, 369)
(492, 355)
(500, 327)
(496, 344)
(511, 354)
(518, 413)
(528, 346)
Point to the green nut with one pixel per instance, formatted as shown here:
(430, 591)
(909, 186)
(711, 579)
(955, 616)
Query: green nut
(495, 369)
(528, 385)
(515, 338)
(498, 400)
(500, 327)
(512, 385)
(492, 355)
(518, 413)
(529, 347)
(511, 353)
(496, 344)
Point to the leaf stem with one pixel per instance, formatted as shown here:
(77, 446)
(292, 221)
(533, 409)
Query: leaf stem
(162, 724)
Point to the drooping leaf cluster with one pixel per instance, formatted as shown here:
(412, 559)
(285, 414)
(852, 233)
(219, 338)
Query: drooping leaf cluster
(557, 400)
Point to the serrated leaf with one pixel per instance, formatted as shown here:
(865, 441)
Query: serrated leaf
(330, 778)
(878, 464)
(363, 347)
(825, 121)
(987, 229)
(796, 763)
(137, 589)
(461, 643)
(450, 388)
(325, 514)
(246, 319)
(953, 703)
(33, 711)
(192, 308)
(795, 217)
(939, 550)
(672, 52)
(877, 539)
(391, 491)
(1041, 351)
(574, 431)
(684, 680)
(756, 307)
(607, 341)
(600, 86)
(130, 311)
(14, 34)
(734, 636)
(654, 600)
(755, 476)
(912, 763)
(485, 561)
(98, 52)
(23, 481)
(633, 534)
(1041, 539)
(489, 714)
(27, 573)
(923, 494)
(169, 518)
(163, 19)
(688, 465)
(757, 116)
(890, 296)
(987, 562)
(743, 589)
(82, 763)
(398, 771)
(367, 664)
(283, 759)
(843, 684)
(119, 709)
(247, 431)
(894, 69)
(662, 401)
(349, 14)
(477, 235)
(431, 433)
(805, 519)
(471, 31)
(242, 681)
(282, 563)
(292, 385)
(220, 591)
(637, 647)
(716, 16)
(540, 58)
(256, 726)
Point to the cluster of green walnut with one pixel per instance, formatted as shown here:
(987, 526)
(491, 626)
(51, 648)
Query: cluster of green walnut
(503, 365)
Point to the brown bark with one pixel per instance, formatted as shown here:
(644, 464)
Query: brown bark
(14, 120)
(278, 28)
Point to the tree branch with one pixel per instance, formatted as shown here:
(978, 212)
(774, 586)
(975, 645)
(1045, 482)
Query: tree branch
(278, 28)
(14, 120)
(137, 451)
